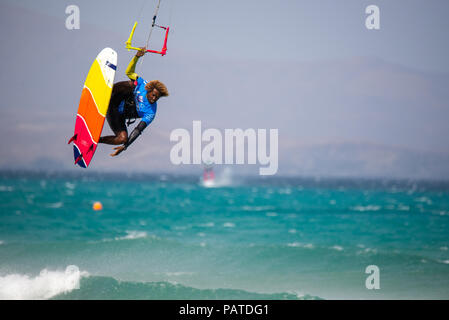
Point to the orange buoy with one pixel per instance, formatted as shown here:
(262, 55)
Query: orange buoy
(97, 206)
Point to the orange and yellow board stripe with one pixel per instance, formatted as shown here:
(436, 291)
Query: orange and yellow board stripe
(93, 107)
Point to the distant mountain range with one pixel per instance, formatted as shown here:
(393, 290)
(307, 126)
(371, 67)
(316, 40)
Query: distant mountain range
(359, 117)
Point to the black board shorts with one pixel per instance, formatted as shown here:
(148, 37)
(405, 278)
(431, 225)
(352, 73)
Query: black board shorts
(116, 119)
(122, 92)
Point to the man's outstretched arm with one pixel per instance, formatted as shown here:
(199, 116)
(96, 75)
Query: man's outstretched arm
(130, 70)
(132, 137)
(135, 133)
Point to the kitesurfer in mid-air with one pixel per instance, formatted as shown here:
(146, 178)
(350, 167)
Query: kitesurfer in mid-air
(132, 99)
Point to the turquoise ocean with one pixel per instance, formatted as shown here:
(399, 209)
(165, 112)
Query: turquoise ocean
(169, 237)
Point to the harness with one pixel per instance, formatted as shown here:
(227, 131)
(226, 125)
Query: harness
(130, 110)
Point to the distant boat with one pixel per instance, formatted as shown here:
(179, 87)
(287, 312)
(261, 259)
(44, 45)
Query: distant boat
(208, 175)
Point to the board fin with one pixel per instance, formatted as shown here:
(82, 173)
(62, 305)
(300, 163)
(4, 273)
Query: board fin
(73, 138)
(91, 148)
(79, 158)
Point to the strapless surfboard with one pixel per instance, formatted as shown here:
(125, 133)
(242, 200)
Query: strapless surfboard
(93, 106)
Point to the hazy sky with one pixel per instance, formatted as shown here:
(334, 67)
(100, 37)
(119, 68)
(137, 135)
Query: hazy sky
(413, 32)
(346, 100)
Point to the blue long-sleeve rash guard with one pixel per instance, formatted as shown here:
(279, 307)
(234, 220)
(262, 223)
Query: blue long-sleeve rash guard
(145, 109)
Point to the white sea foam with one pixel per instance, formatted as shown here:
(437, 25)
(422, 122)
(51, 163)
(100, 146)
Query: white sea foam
(30, 199)
(257, 208)
(338, 248)
(423, 200)
(181, 227)
(367, 250)
(2, 242)
(228, 225)
(69, 185)
(177, 274)
(55, 205)
(207, 225)
(301, 245)
(44, 286)
(366, 208)
(6, 188)
(285, 191)
(130, 235)
(297, 293)
(445, 261)
(292, 231)
(443, 248)
(271, 214)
